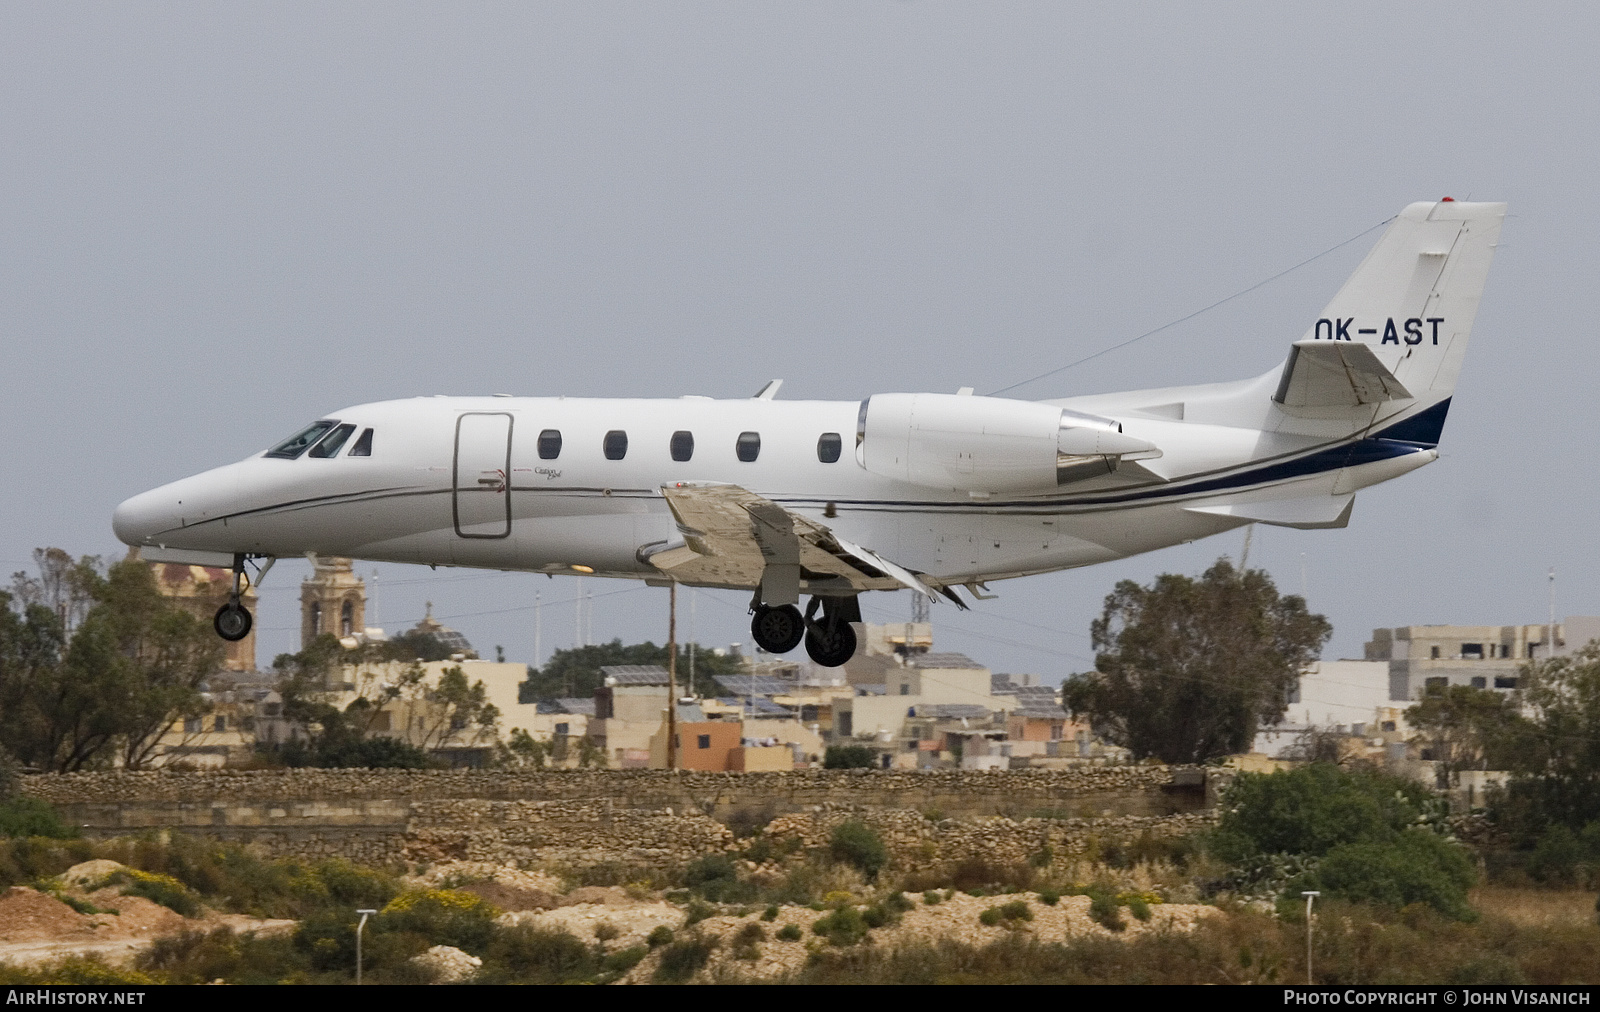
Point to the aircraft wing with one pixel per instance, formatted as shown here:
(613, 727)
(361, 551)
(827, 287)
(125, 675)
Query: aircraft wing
(731, 537)
(1327, 374)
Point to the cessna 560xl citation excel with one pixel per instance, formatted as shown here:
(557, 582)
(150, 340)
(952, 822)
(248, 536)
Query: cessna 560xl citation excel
(827, 499)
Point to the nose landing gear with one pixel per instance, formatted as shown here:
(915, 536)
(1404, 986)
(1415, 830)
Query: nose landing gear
(233, 621)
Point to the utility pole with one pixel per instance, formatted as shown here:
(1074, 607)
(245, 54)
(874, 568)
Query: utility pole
(672, 675)
(538, 628)
(1311, 896)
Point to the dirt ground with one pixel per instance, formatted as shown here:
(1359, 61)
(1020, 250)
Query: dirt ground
(36, 927)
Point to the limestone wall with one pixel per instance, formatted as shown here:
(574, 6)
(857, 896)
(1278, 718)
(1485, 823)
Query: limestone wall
(634, 818)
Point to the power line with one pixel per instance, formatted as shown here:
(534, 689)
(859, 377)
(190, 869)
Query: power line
(1197, 312)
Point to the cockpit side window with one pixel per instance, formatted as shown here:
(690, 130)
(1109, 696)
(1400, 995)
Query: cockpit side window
(297, 444)
(363, 447)
(333, 442)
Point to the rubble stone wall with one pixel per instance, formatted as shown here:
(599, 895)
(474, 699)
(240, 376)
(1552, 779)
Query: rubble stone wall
(638, 819)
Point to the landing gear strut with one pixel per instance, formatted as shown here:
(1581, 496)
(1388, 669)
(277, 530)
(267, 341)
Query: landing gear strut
(830, 641)
(777, 630)
(233, 620)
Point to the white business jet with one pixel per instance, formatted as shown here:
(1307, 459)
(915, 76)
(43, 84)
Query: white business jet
(827, 499)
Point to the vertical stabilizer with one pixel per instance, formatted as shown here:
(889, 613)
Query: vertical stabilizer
(1414, 297)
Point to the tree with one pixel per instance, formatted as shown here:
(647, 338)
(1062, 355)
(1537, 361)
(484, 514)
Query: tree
(576, 672)
(1554, 755)
(1189, 669)
(1467, 728)
(78, 680)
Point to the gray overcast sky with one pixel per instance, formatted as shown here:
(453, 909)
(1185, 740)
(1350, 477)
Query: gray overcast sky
(220, 221)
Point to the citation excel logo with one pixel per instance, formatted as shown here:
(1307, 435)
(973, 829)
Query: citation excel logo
(1410, 331)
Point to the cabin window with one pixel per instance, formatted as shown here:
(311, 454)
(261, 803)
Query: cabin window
(616, 444)
(829, 446)
(749, 446)
(333, 442)
(363, 447)
(549, 444)
(298, 443)
(682, 445)
(562, 728)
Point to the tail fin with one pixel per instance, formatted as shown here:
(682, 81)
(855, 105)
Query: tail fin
(1414, 297)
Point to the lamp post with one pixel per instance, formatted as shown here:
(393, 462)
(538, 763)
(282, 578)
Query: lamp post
(363, 923)
(1311, 897)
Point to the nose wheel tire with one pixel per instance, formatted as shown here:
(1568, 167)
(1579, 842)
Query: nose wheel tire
(830, 644)
(232, 622)
(777, 630)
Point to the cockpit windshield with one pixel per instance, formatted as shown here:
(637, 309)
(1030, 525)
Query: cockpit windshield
(297, 444)
(329, 447)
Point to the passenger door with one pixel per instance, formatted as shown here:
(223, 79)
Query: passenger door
(482, 492)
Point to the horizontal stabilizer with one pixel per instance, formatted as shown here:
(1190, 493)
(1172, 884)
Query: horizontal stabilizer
(1310, 513)
(1335, 374)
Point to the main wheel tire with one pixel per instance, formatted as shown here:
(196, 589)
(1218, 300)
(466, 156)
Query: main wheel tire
(778, 630)
(233, 622)
(831, 648)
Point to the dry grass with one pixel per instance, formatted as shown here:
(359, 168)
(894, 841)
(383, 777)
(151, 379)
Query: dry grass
(1535, 908)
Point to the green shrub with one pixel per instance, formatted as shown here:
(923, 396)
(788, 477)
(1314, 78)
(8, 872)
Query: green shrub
(1417, 867)
(770, 914)
(662, 935)
(158, 888)
(443, 916)
(1139, 908)
(990, 917)
(789, 933)
(1016, 910)
(1049, 897)
(932, 897)
(624, 960)
(747, 942)
(527, 955)
(898, 903)
(1103, 908)
(31, 817)
(1313, 809)
(843, 927)
(849, 757)
(682, 960)
(605, 931)
(698, 911)
(715, 878)
(855, 843)
(74, 970)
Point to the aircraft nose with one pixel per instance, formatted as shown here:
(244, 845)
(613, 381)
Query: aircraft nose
(137, 521)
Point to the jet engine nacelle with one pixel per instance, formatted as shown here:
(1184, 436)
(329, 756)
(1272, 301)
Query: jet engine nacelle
(987, 444)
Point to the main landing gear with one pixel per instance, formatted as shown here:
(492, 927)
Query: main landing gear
(233, 620)
(830, 640)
